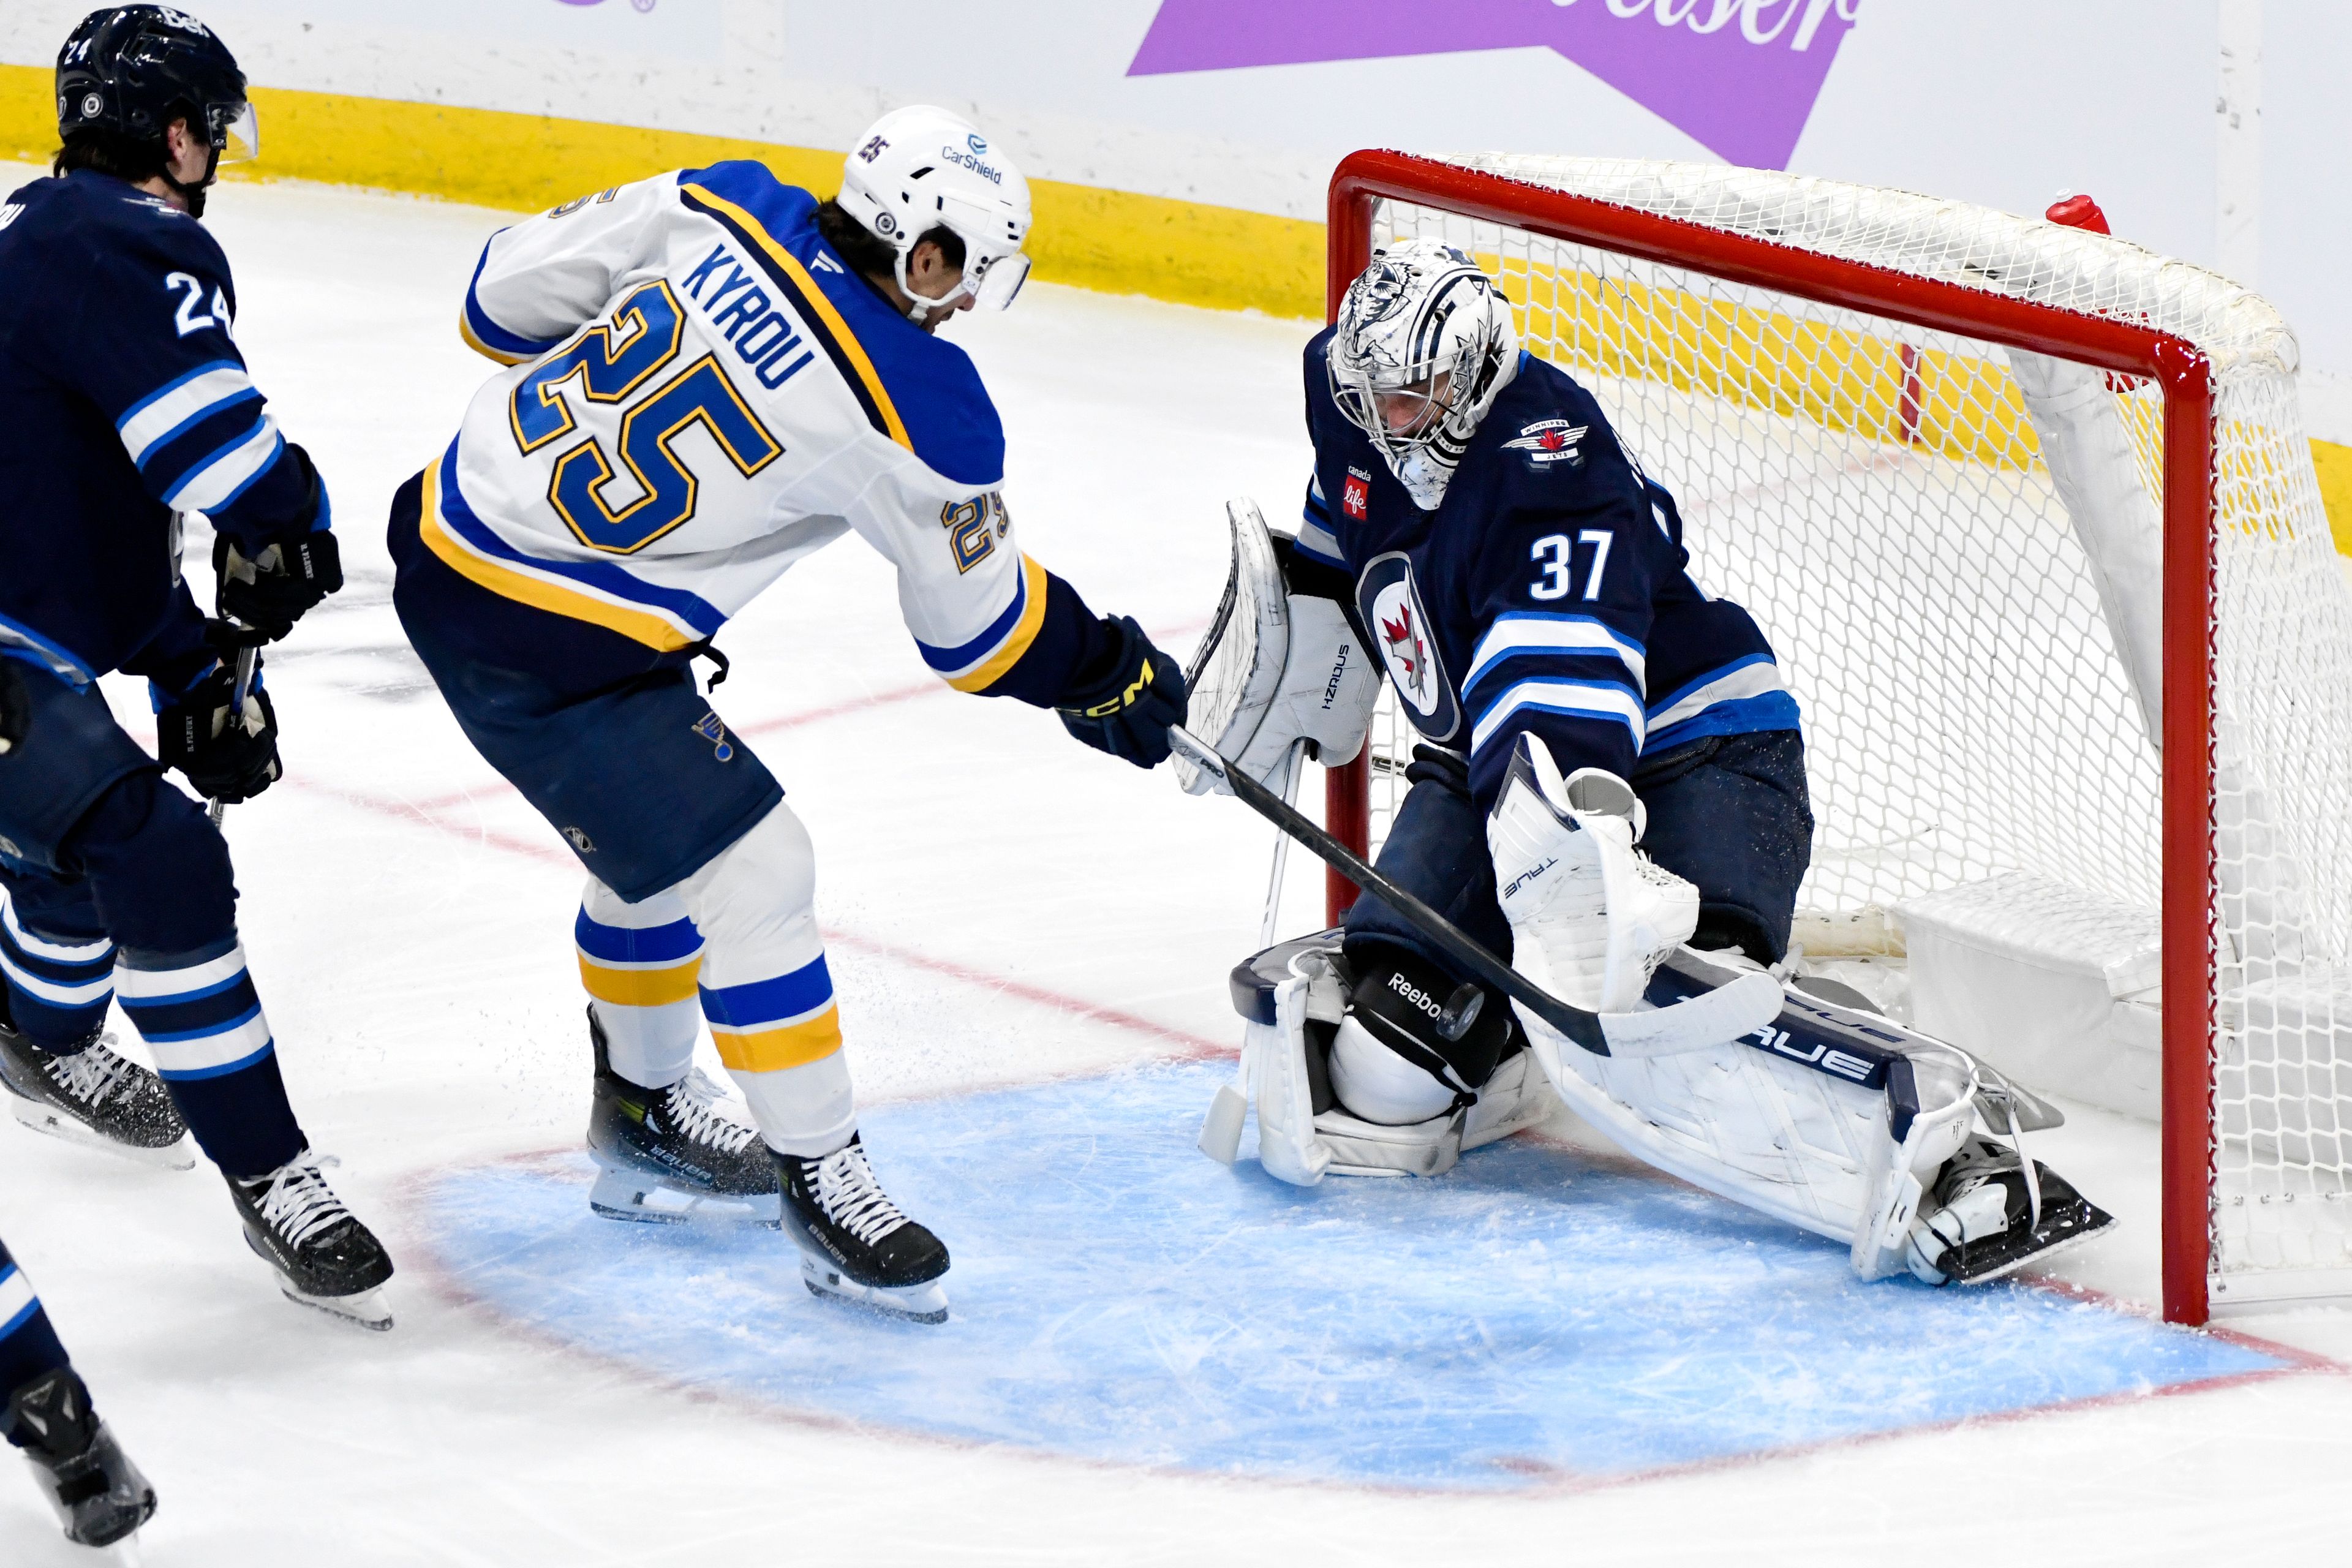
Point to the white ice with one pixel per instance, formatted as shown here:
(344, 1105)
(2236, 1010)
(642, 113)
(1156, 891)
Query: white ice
(1002, 906)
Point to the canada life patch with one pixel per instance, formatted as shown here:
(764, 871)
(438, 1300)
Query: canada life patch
(1547, 442)
(1391, 606)
(1355, 499)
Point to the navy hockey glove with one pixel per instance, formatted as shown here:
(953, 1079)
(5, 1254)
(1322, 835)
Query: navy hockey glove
(227, 762)
(1128, 711)
(16, 709)
(269, 593)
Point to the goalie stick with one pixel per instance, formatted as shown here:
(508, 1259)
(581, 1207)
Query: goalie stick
(1709, 1019)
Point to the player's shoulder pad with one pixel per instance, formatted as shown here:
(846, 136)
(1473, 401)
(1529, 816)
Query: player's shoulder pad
(111, 216)
(918, 389)
(1545, 427)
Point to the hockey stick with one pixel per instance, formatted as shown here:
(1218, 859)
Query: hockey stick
(245, 658)
(1711, 1018)
(1221, 1130)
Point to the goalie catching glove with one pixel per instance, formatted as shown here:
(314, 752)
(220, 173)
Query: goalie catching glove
(1127, 711)
(1278, 666)
(227, 762)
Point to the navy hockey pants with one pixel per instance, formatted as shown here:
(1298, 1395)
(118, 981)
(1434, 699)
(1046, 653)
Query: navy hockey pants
(1729, 813)
(104, 863)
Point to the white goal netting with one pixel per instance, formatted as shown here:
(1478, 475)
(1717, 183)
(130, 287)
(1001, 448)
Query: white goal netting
(1956, 553)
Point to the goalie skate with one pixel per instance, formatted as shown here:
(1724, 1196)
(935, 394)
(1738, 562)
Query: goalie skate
(1990, 1218)
(671, 1156)
(856, 1244)
(95, 1098)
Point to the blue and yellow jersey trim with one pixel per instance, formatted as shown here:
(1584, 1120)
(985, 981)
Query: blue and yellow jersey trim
(977, 665)
(664, 619)
(483, 335)
(808, 300)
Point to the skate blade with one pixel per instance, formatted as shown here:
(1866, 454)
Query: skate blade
(1991, 1272)
(363, 1309)
(924, 1303)
(180, 1155)
(638, 1198)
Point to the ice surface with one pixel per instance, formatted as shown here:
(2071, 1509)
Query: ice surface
(1004, 909)
(1536, 1316)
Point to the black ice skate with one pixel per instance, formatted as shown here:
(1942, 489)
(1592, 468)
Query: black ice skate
(324, 1256)
(854, 1242)
(99, 1494)
(95, 1098)
(671, 1154)
(1985, 1218)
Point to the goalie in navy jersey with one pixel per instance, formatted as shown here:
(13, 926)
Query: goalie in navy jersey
(128, 406)
(1609, 778)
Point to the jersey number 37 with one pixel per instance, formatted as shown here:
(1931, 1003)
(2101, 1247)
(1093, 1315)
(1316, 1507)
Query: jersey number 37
(616, 363)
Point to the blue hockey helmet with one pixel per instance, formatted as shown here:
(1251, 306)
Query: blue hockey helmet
(128, 72)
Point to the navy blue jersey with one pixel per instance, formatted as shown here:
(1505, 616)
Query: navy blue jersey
(1550, 592)
(125, 403)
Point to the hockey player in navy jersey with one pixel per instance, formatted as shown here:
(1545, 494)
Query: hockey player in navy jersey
(1609, 770)
(128, 406)
(713, 375)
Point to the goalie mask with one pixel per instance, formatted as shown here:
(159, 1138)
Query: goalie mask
(1423, 344)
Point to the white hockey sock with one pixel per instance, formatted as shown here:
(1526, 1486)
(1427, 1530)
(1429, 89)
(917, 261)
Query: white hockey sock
(640, 963)
(765, 988)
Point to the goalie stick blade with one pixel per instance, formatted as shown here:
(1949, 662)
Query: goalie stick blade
(1221, 1130)
(1709, 1019)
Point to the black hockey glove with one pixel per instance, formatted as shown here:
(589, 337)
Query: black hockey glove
(269, 593)
(1127, 711)
(16, 709)
(227, 762)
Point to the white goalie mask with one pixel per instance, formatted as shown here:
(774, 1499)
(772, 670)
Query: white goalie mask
(1423, 344)
(919, 168)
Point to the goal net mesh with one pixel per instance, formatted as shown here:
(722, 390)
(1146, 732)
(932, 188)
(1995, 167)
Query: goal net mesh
(1876, 495)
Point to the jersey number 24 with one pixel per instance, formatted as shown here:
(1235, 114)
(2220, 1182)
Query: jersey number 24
(611, 363)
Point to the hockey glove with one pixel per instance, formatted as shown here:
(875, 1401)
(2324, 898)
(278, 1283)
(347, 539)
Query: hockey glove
(1128, 711)
(272, 591)
(227, 762)
(16, 711)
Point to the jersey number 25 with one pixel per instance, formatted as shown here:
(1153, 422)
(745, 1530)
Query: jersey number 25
(609, 364)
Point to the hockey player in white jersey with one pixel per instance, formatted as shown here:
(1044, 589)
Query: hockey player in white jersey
(713, 375)
(1609, 768)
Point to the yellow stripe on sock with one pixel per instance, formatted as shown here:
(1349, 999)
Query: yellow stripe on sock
(641, 987)
(786, 1046)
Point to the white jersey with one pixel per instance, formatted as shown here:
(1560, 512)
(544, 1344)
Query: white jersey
(699, 395)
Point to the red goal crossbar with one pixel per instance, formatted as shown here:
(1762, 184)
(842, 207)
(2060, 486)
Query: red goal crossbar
(2179, 368)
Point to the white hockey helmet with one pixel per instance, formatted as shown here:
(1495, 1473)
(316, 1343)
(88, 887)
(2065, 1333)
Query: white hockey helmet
(1423, 344)
(919, 168)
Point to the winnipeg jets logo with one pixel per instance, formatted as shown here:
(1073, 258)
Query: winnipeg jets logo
(1390, 604)
(1408, 655)
(1549, 441)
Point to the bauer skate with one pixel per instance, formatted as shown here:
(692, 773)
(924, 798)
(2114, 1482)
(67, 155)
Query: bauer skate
(325, 1258)
(99, 1494)
(670, 1155)
(854, 1242)
(1991, 1213)
(96, 1098)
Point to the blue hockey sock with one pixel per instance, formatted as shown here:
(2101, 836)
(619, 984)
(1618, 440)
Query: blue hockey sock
(29, 1348)
(213, 1049)
(58, 983)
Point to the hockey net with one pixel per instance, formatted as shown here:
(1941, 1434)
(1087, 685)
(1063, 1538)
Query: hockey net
(2029, 518)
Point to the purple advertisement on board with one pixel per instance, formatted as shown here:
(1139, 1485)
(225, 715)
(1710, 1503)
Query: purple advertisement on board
(1738, 76)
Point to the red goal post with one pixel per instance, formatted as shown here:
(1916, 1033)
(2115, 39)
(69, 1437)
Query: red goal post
(2178, 367)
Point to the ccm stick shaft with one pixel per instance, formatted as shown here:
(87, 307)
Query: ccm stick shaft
(1577, 1024)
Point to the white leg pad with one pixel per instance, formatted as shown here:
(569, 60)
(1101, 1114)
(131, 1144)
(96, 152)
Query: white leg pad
(1799, 1144)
